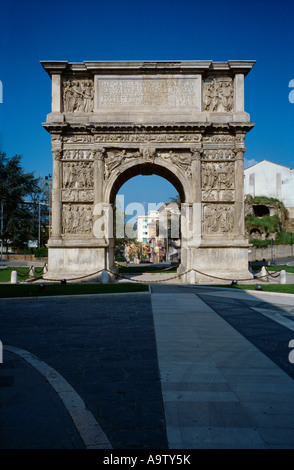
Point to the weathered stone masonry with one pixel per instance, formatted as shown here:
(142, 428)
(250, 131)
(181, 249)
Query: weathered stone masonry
(184, 121)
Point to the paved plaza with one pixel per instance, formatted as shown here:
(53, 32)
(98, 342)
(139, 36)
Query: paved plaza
(180, 367)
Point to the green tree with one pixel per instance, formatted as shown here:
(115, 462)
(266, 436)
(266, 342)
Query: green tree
(16, 186)
(40, 204)
(176, 199)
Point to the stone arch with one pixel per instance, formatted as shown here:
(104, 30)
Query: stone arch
(165, 169)
(124, 173)
(184, 121)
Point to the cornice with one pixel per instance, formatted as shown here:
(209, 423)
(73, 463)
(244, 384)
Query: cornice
(147, 67)
(200, 127)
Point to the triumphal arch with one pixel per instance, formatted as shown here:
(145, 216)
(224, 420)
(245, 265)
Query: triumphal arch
(182, 120)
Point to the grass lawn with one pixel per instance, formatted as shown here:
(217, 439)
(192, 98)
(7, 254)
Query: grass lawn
(5, 274)
(282, 288)
(33, 290)
(288, 269)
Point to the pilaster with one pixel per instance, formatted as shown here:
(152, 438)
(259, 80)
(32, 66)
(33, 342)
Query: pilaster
(56, 93)
(239, 93)
(239, 226)
(99, 169)
(56, 195)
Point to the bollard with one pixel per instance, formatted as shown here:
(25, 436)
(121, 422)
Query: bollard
(32, 271)
(263, 273)
(104, 277)
(13, 279)
(283, 277)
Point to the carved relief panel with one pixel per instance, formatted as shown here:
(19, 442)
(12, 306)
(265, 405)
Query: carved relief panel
(78, 95)
(181, 160)
(77, 219)
(118, 157)
(115, 158)
(218, 219)
(137, 137)
(78, 175)
(218, 181)
(219, 154)
(218, 94)
(80, 154)
(78, 181)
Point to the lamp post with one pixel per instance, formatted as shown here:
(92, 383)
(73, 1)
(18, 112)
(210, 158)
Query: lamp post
(39, 217)
(39, 231)
(49, 184)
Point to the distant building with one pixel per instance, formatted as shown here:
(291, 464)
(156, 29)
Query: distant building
(145, 225)
(274, 181)
(172, 238)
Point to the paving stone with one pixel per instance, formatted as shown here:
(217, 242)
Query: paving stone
(202, 370)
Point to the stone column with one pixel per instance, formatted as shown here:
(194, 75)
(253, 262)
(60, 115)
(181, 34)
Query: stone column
(196, 192)
(102, 211)
(99, 169)
(239, 227)
(56, 195)
(56, 93)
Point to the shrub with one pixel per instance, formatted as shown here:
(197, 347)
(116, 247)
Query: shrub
(260, 243)
(267, 224)
(41, 252)
(284, 238)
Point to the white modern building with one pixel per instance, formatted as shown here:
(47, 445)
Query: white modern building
(145, 224)
(271, 180)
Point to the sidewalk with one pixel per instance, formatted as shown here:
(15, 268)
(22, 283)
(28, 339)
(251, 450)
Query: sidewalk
(219, 390)
(31, 413)
(183, 368)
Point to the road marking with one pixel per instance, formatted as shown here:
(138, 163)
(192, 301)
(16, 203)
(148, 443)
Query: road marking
(87, 426)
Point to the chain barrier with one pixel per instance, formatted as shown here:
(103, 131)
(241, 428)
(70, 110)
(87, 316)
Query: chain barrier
(277, 273)
(21, 274)
(159, 281)
(76, 278)
(149, 282)
(186, 272)
(42, 269)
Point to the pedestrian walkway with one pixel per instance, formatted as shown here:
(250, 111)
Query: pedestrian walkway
(219, 390)
(182, 368)
(31, 413)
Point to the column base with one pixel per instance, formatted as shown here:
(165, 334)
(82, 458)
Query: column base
(215, 265)
(78, 264)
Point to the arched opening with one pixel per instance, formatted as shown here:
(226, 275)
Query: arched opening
(151, 232)
(261, 210)
(147, 169)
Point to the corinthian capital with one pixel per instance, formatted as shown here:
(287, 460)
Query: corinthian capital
(195, 153)
(99, 154)
(56, 154)
(240, 154)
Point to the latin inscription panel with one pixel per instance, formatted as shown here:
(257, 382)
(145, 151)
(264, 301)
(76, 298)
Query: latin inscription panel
(148, 91)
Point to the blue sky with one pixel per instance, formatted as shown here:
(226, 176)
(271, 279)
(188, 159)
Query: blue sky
(75, 31)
